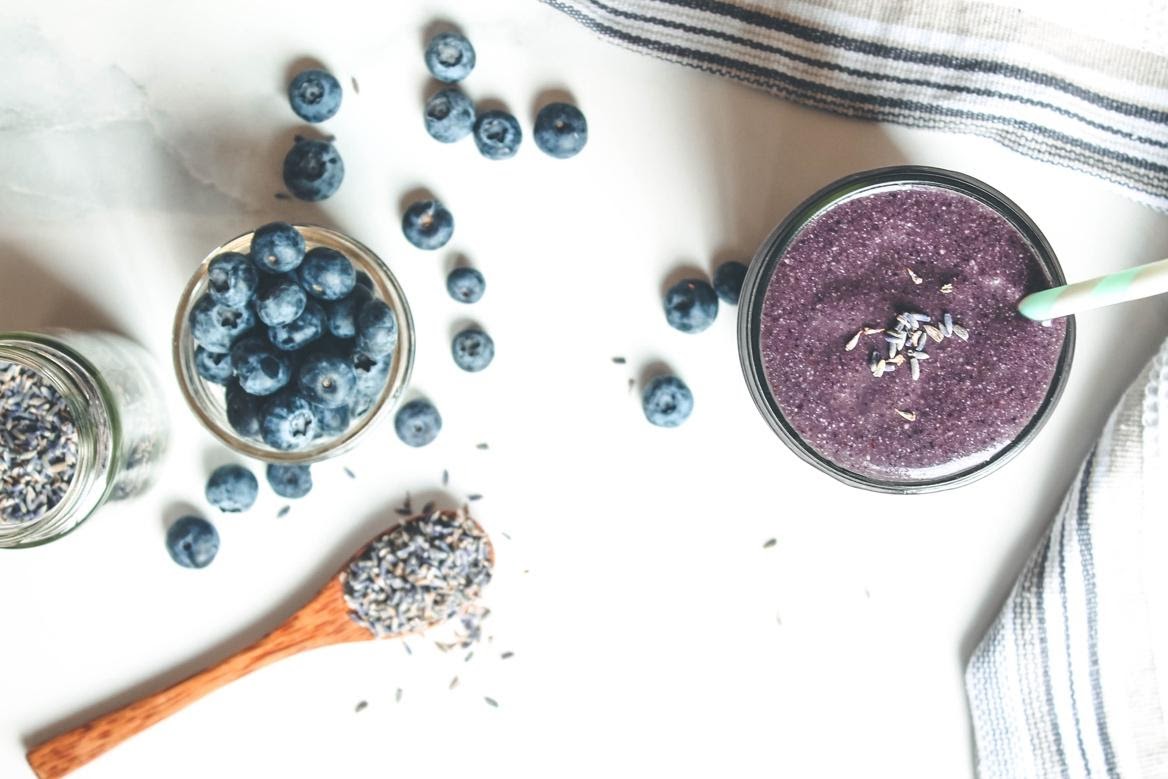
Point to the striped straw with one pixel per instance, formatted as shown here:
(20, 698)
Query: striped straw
(1141, 281)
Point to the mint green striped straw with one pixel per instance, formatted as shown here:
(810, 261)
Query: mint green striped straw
(1142, 281)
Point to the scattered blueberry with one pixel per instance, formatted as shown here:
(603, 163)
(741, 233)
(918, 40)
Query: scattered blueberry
(231, 279)
(691, 305)
(216, 326)
(450, 57)
(277, 247)
(287, 422)
(473, 350)
(192, 542)
(497, 135)
(332, 421)
(450, 116)
(280, 300)
(560, 130)
(315, 95)
(327, 274)
(243, 411)
(261, 369)
(667, 401)
(301, 331)
(417, 423)
(232, 488)
(466, 285)
(213, 366)
(376, 328)
(327, 380)
(428, 224)
(341, 315)
(728, 280)
(313, 170)
(290, 481)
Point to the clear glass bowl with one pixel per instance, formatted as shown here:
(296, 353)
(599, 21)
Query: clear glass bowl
(206, 399)
(772, 251)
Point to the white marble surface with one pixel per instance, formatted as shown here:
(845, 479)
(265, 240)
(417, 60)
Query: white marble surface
(651, 630)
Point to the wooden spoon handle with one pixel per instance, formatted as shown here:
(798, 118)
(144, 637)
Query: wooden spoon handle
(321, 622)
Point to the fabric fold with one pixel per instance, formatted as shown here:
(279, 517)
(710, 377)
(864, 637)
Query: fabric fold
(1058, 95)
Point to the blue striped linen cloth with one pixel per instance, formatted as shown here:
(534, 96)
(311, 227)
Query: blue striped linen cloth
(1068, 680)
(1083, 85)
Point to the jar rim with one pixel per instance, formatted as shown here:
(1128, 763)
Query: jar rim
(202, 398)
(773, 249)
(95, 418)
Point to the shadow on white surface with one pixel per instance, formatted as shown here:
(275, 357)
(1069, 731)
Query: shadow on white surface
(33, 298)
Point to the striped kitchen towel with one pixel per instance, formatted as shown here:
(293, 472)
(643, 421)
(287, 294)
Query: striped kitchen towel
(1072, 679)
(1084, 85)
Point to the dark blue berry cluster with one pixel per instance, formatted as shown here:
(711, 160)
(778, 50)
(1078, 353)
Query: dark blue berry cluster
(313, 169)
(298, 337)
(560, 128)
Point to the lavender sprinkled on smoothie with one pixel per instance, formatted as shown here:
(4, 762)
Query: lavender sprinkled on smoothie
(925, 280)
(38, 445)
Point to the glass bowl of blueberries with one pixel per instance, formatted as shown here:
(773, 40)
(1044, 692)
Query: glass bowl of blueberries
(291, 341)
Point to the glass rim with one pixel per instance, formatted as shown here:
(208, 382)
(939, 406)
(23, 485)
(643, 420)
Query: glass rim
(771, 251)
(79, 384)
(195, 389)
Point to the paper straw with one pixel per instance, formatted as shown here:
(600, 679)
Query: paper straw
(1141, 281)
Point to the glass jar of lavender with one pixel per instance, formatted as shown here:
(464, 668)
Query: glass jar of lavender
(82, 422)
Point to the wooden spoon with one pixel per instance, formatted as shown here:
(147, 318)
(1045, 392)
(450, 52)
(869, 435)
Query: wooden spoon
(322, 621)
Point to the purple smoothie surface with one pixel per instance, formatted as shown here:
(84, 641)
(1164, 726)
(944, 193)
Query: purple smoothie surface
(847, 268)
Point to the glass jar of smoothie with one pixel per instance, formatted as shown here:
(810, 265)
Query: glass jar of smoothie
(879, 333)
(321, 433)
(82, 422)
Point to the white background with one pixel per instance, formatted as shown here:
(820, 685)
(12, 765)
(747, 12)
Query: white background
(652, 631)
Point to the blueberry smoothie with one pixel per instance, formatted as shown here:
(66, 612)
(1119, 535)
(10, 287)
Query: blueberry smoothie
(889, 337)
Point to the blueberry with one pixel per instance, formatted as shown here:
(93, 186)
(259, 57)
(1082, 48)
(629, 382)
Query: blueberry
(280, 300)
(497, 135)
(232, 488)
(327, 274)
(231, 279)
(728, 280)
(473, 350)
(301, 331)
(313, 170)
(261, 369)
(287, 422)
(332, 421)
(340, 316)
(315, 95)
(243, 411)
(667, 401)
(376, 328)
(560, 130)
(417, 423)
(192, 542)
(427, 224)
(450, 57)
(450, 116)
(370, 372)
(213, 366)
(466, 285)
(290, 481)
(215, 326)
(327, 380)
(691, 305)
(277, 247)
(363, 280)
